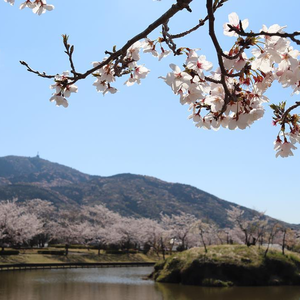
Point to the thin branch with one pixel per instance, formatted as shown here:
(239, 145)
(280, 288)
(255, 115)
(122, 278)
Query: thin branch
(286, 113)
(219, 50)
(69, 51)
(167, 37)
(175, 8)
(29, 69)
(201, 22)
(292, 36)
(213, 80)
(182, 34)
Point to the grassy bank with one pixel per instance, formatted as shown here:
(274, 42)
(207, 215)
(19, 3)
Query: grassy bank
(74, 256)
(229, 265)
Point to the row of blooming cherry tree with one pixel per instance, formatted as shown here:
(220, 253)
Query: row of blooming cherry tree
(37, 222)
(230, 96)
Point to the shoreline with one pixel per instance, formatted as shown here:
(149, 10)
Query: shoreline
(43, 266)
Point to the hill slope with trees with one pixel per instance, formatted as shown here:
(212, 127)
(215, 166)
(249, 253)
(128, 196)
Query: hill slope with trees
(130, 195)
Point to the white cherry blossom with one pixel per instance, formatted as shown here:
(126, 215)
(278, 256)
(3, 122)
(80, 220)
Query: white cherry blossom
(263, 61)
(100, 85)
(294, 136)
(149, 47)
(134, 51)
(164, 53)
(139, 72)
(284, 149)
(28, 4)
(193, 93)
(235, 22)
(198, 64)
(176, 78)
(271, 40)
(60, 100)
(11, 2)
(237, 64)
(110, 90)
(289, 61)
(216, 103)
(62, 89)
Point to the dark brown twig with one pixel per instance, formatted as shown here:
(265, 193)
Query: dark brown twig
(43, 74)
(69, 51)
(201, 22)
(175, 8)
(228, 95)
(286, 113)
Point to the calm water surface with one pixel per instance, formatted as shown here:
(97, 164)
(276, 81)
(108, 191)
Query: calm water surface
(120, 284)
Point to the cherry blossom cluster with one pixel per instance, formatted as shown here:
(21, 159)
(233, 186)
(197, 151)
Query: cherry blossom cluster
(63, 89)
(126, 65)
(235, 100)
(283, 117)
(38, 6)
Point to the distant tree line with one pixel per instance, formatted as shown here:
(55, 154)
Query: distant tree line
(35, 223)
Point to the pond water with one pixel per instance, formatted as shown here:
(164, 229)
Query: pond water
(120, 284)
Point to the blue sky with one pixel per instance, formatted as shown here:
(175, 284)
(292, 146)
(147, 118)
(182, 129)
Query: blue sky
(141, 129)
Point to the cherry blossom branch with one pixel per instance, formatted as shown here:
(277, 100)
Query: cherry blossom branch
(175, 8)
(251, 34)
(232, 96)
(168, 38)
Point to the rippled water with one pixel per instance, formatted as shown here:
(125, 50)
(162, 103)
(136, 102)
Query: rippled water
(120, 284)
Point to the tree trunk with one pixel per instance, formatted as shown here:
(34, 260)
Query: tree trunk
(283, 242)
(163, 253)
(266, 252)
(162, 248)
(67, 249)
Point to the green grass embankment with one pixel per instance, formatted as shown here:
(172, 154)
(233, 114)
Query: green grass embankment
(74, 256)
(229, 265)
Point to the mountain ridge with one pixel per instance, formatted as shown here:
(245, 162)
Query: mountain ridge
(128, 194)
